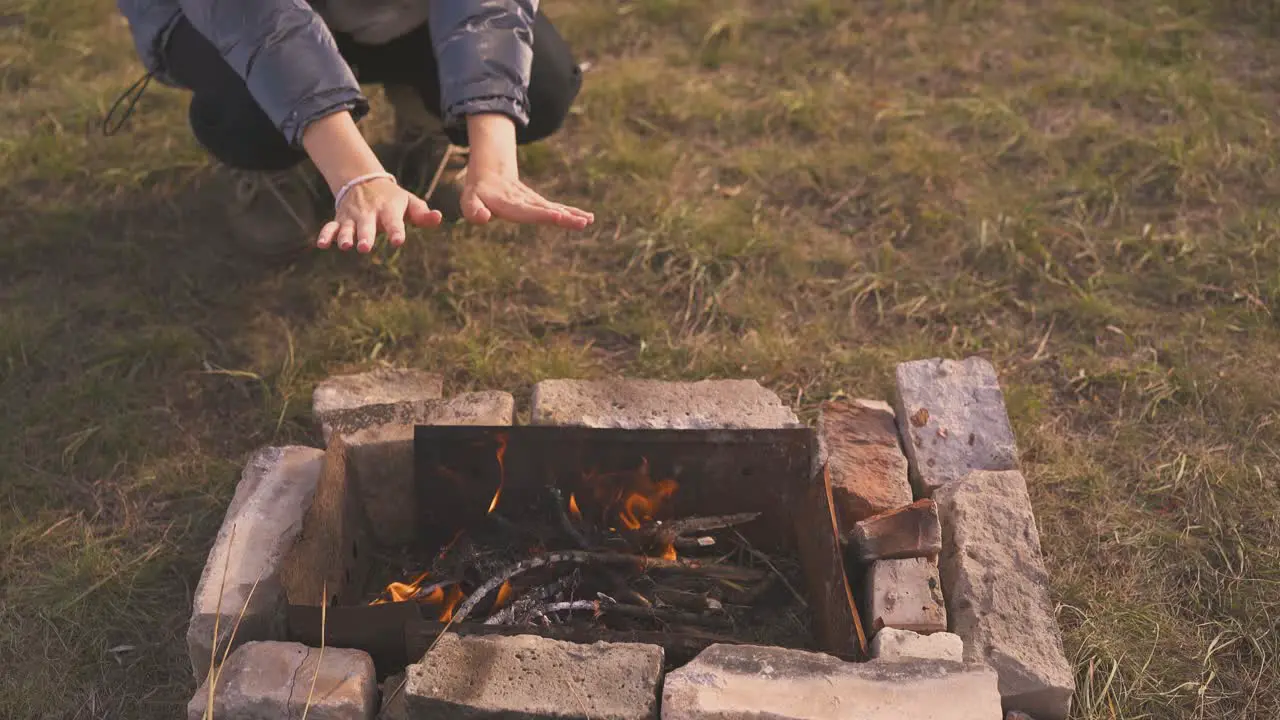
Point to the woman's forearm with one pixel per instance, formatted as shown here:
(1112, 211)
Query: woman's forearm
(338, 150)
(492, 137)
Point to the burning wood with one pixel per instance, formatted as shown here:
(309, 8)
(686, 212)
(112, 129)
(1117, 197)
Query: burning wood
(620, 572)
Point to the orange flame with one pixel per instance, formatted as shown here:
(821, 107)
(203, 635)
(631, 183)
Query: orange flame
(502, 471)
(633, 497)
(573, 507)
(504, 595)
(412, 590)
(451, 602)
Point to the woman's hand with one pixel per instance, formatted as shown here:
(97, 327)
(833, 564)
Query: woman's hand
(492, 188)
(341, 154)
(372, 206)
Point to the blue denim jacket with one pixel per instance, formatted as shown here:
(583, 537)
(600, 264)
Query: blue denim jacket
(291, 65)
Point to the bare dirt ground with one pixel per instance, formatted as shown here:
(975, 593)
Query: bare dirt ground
(802, 191)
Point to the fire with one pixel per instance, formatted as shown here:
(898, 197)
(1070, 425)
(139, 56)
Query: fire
(573, 507)
(502, 471)
(412, 590)
(451, 602)
(633, 498)
(504, 595)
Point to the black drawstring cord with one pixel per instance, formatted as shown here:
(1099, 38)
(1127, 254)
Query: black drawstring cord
(133, 95)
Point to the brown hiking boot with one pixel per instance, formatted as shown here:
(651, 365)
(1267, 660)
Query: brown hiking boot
(277, 215)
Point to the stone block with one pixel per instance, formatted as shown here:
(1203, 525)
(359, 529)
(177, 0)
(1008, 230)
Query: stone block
(525, 677)
(395, 703)
(952, 418)
(893, 645)
(858, 441)
(653, 404)
(272, 680)
(745, 682)
(380, 453)
(998, 591)
(258, 530)
(337, 398)
(909, 532)
(906, 595)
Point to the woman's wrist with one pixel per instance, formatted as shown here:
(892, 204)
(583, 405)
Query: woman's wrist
(492, 137)
(339, 151)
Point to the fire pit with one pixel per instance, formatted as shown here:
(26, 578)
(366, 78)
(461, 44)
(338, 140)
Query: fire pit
(679, 538)
(641, 550)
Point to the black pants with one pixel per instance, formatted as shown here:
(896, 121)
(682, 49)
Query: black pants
(229, 123)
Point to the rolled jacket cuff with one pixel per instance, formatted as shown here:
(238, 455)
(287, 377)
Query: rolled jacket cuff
(315, 107)
(516, 108)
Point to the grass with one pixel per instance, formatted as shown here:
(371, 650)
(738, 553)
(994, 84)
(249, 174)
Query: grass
(804, 192)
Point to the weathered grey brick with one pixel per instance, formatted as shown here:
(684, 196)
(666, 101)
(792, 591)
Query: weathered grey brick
(892, 645)
(337, 397)
(525, 677)
(997, 591)
(703, 405)
(746, 682)
(952, 418)
(907, 595)
(273, 680)
(258, 530)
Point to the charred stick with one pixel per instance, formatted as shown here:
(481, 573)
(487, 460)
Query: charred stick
(427, 591)
(694, 543)
(583, 557)
(667, 616)
(565, 521)
(668, 532)
(765, 559)
(686, 600)
(531, 599)
(545, 610)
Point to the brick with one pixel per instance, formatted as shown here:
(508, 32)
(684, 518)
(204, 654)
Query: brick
(952, 419)
(336, 398)
(998, 591)
(274, 492)
(745, 682)
(525, 677)
(909, 532)
(906, 595)
(893, 645)
(380, 454)
(641, 404)
(272, 680)
(858, 441)
(395, 703)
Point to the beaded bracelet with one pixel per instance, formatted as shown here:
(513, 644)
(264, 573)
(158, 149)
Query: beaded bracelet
(337, 199)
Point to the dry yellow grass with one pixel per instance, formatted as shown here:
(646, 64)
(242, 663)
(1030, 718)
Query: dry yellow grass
(801, 191)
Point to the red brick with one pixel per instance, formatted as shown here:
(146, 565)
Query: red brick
(909, 532)
(868, 470)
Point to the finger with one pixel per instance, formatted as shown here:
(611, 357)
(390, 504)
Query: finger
(421, 215)
(534, 210)
(568, 216)
(327, 234)
(473, 209)
(345, 234)
(577, 212)
(366, 231)
(565, 216)
(391, 217)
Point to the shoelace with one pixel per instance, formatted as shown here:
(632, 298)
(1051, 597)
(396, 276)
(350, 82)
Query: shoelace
(132, 96)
